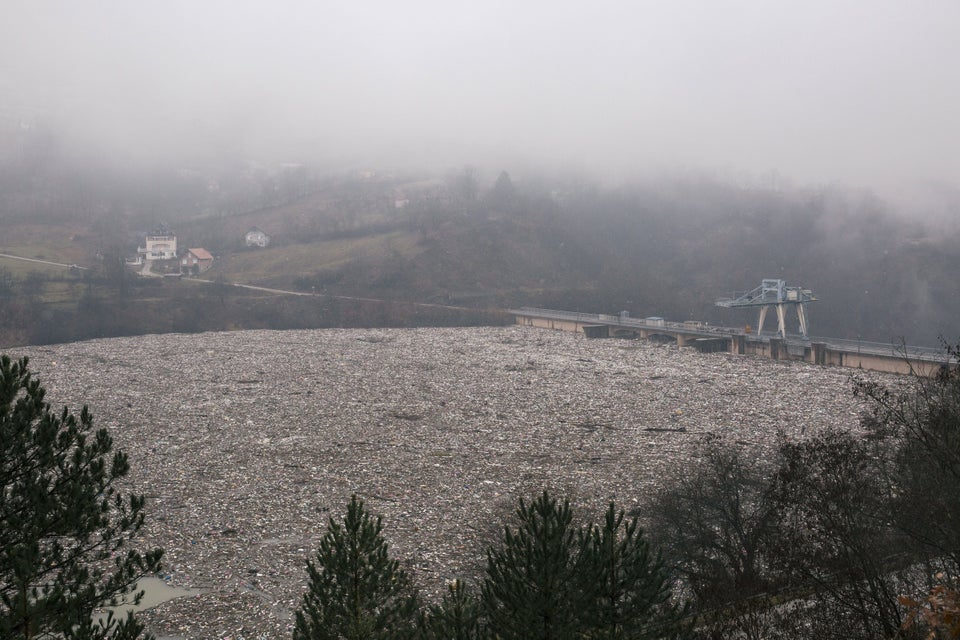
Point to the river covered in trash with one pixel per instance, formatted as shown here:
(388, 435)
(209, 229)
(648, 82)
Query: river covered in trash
(245, 443)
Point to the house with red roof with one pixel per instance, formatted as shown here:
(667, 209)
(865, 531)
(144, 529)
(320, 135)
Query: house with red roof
(197, 260)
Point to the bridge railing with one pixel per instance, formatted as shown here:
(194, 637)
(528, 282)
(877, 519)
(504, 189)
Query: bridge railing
(884, 348)
(638, 323)
(556, 315)
(926, 354)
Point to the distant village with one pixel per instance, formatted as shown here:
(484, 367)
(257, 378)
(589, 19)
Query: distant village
(160, 256)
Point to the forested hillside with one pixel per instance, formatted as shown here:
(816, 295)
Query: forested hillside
(667, 248)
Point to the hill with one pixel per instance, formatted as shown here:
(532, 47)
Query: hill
(668, 249)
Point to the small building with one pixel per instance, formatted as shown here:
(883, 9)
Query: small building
(159, 245)
(256, 238)
(199, 258)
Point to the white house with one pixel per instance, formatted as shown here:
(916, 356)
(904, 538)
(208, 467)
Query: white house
(257, 238)
(160, 245)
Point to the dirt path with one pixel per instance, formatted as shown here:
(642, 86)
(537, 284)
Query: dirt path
(56, 264)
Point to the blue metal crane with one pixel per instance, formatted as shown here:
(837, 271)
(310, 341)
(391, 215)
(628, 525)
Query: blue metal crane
(774, 293)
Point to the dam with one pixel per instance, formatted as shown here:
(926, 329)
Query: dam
(857, 354)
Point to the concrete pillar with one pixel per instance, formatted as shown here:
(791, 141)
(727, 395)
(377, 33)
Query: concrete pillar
(818, 353)
(777, 348)
(738, 345)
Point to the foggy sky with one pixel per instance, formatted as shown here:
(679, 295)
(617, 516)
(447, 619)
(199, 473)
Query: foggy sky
(862, 93)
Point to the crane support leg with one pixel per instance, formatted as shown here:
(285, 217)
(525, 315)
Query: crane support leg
(781, 321)
(763, 316)
(802, 317)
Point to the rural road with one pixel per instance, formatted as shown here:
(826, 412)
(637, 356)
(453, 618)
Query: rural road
(314, 295)
(145, 272)
(56, 264)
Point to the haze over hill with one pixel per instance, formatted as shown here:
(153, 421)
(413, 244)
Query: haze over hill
(816, 92)
(655, 157)
(670, 249)
(430, 163)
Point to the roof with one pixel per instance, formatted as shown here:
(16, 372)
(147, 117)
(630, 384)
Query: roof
(257, 230)
(201, 254)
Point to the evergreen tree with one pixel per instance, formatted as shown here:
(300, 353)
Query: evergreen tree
(504, 194)
(356, 591)
(65, 527)
(632, 588)
(457, 617)
(534, 583)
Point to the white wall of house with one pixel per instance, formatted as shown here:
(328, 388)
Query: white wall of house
(257, 238)
(161, 247)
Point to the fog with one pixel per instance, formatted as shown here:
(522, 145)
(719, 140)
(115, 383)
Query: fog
(823, 92)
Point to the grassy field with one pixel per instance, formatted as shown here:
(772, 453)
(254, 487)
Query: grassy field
(20, 268)
(57, 243)
(283, 264)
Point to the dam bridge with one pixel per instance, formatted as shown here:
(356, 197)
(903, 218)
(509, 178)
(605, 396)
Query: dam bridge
(873, 356)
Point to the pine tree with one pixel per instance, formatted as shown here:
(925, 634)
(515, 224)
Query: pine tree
(632, 596)
(457, 617)
(504, 194)
(65, 527)
(534, 583)
(355, 591)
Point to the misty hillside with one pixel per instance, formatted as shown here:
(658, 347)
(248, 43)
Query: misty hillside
(360, 192)
(668, 249)
(646, 157)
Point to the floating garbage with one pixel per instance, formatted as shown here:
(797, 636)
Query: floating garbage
(242, 476)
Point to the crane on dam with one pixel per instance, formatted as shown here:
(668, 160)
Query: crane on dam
(773, 293)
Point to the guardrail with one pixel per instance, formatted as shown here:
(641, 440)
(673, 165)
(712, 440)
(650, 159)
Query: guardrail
(928, 354)
(638, 323)
(883, 348)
